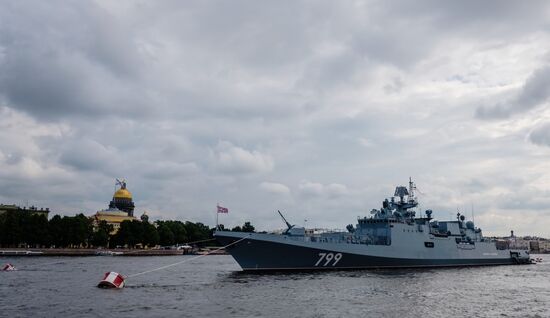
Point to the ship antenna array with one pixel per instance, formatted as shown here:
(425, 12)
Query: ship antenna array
(412, 188)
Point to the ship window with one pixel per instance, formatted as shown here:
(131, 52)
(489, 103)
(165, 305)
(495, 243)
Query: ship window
(429, 244)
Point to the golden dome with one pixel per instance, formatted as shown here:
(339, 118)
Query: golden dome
(122, 193)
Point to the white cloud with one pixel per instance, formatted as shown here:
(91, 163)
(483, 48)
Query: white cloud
(315, 189)
(276, 188)
(311, 188)
(237, 160)
(336, 190)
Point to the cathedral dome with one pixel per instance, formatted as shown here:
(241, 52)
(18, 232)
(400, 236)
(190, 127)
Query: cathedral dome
(122, 199)
(122, 193)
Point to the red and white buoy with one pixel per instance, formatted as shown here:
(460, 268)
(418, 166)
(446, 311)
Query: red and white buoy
(8, 267)
(112, 280)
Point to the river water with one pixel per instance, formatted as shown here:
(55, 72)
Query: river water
(212, 286)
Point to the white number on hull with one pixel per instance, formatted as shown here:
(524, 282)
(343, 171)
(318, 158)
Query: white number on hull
(328, 257)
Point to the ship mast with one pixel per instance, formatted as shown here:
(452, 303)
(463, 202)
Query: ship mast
(412, 188)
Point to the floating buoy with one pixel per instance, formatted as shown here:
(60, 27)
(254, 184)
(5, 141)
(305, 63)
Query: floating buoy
(111, 280)
(8, 267)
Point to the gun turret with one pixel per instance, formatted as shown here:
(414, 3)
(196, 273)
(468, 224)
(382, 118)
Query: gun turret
(287, 224)
(292, 229)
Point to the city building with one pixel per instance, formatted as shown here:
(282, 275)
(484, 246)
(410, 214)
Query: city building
(121, 208)
(539, 245)
(122, 199)
(515, 242)
(30, 210)
(544, 246)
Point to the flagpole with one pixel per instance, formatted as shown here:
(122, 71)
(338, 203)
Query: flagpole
(217, 225)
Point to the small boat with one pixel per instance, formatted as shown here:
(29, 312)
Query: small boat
(107, 253)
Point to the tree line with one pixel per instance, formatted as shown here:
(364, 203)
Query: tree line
(35, 230)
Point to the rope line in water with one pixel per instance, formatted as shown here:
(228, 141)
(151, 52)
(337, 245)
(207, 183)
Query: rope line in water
(184, 261)
(30, 266)
(43, 264)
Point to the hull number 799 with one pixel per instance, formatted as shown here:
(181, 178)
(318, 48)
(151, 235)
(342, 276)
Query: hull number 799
(328, 259)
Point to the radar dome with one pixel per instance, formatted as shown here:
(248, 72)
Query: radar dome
(470, 225)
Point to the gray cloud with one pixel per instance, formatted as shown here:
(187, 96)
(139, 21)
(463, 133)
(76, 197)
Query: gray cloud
(541, 135)
(78, 63)
(315, 108)
(89, 155)
(532, 94)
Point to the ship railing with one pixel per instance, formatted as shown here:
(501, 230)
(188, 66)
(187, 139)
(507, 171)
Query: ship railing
(340, 237)
(315, 232)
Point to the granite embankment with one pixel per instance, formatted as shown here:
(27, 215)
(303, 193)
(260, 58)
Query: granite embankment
(87, 252)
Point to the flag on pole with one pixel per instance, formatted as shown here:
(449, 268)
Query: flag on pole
(221, 209)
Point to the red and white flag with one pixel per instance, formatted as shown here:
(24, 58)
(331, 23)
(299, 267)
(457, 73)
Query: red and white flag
(221, 209)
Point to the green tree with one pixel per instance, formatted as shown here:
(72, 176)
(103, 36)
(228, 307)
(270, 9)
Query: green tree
(203, 230)
(247, 227)
(68, 232)
(100, 238)
(83, 230)
(38, 230)
(2, 229)
(56, 231)
(26, 234)
(13, 234)
(128, 234)
(166, 237)
(179, 230)
(102, 234)
(150, 234)
(197, 231)
(17, 227)
(137, 231)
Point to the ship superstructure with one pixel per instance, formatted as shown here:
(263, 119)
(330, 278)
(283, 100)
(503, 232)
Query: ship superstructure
(391, 236)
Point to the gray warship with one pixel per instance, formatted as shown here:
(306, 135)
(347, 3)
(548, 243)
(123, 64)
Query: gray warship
(392, 237)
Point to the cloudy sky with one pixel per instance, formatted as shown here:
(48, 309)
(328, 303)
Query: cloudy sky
(316, 108)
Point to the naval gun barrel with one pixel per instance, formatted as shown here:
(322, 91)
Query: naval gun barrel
(287, 224)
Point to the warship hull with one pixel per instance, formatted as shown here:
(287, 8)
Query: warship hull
(275, 252)
(393, 237)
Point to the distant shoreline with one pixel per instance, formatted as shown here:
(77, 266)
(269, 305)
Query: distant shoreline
(31, 252)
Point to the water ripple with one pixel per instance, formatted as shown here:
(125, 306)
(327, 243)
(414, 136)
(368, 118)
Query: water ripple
(213, 287)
